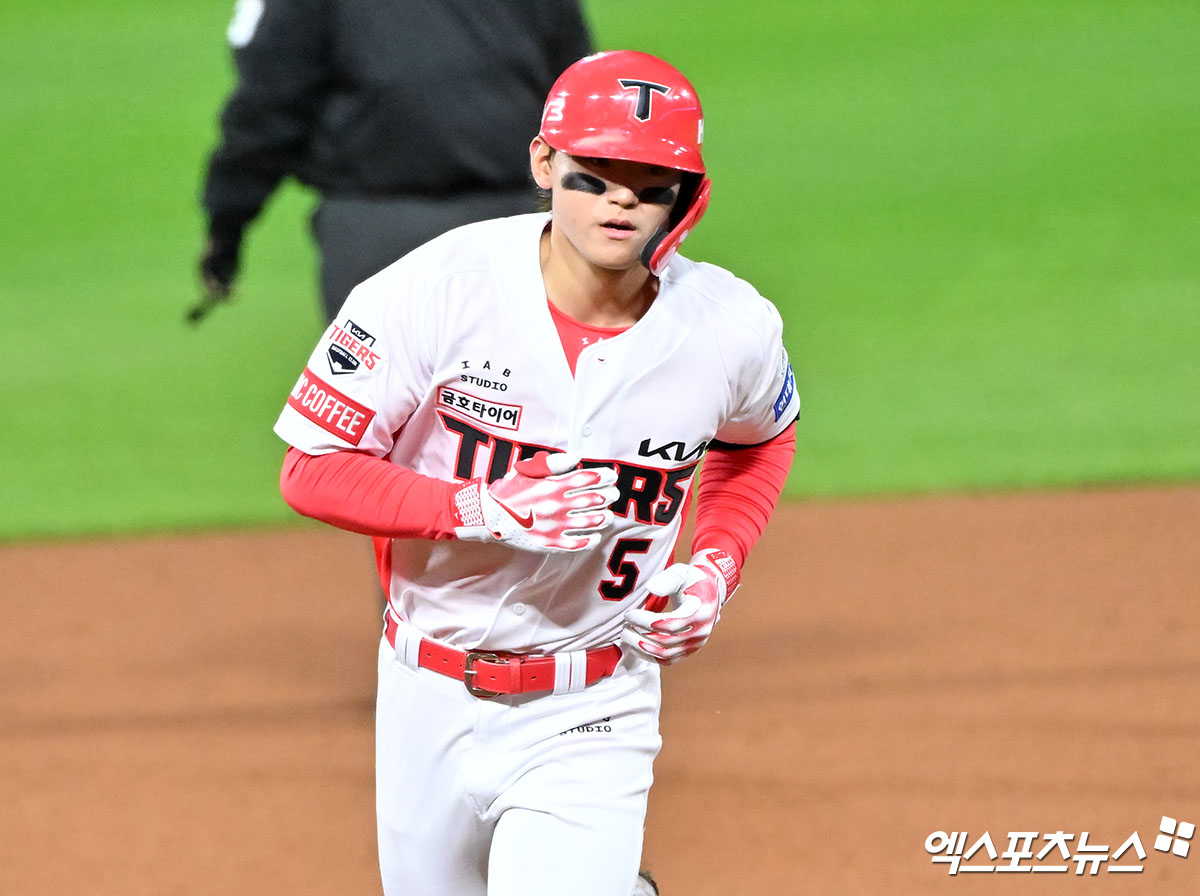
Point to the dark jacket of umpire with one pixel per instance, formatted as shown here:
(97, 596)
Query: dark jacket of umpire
(379, 98)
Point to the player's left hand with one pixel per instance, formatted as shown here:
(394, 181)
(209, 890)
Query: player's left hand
(694, 594)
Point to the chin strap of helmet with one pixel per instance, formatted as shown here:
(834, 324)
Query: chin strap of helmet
(663, 245)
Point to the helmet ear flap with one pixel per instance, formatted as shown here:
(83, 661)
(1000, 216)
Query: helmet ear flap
(662, 246)
(689, 187)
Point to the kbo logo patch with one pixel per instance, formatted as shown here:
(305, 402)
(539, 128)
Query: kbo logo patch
(786, 393)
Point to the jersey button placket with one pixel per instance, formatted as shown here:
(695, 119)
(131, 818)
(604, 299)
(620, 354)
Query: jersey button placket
(590, 384)
(594, 369)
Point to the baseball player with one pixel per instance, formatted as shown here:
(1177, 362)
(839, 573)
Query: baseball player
(515, 412)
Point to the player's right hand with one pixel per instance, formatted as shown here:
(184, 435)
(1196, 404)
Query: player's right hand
(543, 505)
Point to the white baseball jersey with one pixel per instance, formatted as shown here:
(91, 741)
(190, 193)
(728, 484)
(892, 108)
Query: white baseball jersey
(448, 363)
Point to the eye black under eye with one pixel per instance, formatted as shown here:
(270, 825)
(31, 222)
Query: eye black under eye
(658, 195)
(584, 183)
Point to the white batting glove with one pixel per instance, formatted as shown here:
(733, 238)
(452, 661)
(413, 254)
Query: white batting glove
(542, 505)
(694, 594)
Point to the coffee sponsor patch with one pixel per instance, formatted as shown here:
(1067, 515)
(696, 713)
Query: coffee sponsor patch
(325, 406)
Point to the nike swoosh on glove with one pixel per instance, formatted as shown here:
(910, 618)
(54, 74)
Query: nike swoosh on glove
(543, 505)
(694, 594)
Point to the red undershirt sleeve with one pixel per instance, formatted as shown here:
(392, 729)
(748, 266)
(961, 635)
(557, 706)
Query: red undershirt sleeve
(367, 494)
(738, 490)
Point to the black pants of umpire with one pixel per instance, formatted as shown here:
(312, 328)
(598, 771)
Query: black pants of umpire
(358, 237)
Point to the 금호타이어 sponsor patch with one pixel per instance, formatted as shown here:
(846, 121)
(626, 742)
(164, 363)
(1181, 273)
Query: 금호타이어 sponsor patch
(506, 416)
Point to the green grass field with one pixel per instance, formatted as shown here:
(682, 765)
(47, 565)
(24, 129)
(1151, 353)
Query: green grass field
(980, 221)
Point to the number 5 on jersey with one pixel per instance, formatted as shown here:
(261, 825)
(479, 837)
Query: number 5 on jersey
(623, 568)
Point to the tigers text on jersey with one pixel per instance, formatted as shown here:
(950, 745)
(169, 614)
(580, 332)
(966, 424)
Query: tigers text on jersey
(448, 363)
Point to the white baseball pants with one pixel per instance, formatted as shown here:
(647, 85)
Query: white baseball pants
(530, 795)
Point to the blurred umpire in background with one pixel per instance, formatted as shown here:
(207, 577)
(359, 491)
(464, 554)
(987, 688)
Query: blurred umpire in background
(409, 117)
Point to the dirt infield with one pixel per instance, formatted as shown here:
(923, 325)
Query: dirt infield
(193, 715)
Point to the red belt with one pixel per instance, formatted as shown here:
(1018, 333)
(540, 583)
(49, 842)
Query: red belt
(492, 674)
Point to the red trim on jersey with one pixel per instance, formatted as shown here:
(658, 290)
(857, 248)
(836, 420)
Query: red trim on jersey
(368, 495)
(575, 335)
(738, 490)
(383, 563)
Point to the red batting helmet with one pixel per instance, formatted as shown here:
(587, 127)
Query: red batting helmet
(634, 107)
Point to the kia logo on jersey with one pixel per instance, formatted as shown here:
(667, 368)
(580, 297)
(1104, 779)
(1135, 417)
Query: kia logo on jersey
(350, 347)
(677, 451)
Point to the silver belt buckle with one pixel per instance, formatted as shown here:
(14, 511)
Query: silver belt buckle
(474, 656)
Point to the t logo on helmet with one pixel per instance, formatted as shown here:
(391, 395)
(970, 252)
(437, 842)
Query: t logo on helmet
(645, 89)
